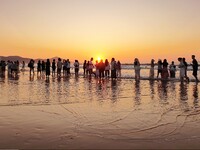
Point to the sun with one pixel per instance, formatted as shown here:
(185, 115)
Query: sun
(99, 58)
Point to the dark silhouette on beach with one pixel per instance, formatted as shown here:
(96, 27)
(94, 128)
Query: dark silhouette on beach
(113, 69)
(31, 66)
(195, 67)
(48, 66)
(53, 68)
(172, 70)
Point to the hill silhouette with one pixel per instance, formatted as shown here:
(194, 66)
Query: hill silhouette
(26, 60)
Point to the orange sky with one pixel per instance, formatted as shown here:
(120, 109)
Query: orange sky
(79, 29)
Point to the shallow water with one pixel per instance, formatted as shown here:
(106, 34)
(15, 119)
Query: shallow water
(91, 113)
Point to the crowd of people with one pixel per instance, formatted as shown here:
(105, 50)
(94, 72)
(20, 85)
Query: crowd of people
(100, 69)
(165, 70)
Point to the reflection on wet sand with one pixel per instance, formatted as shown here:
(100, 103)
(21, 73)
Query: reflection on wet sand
(101, 112)
(183, 91)
(114, 89)
(152, 88)
(196, 95)
(184, 96)
(163, 90)
(137, 91)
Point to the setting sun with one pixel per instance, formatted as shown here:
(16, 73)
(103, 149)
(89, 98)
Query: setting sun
(98, 58)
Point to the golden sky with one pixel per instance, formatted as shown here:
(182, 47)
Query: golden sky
(79, 29)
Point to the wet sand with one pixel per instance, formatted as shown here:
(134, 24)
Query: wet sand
(78, 113)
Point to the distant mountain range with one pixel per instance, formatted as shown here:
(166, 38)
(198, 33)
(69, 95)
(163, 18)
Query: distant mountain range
(20, 59)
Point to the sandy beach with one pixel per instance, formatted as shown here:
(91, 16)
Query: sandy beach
(82, 113)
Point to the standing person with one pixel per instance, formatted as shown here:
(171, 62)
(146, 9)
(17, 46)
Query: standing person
(39, 67)
(9, 63)
(137, 68)
(101, 69)
(23, 66)
(59, 67)
(12, 66)
(182, 69)
(14, 69)
(87, 68)
(97, 67)
(159, 68)
(107, 68)
(3, 67)
(113, 69)
(31, 66)
(84, 67)
(65, 68)
(118, 68)
(43, 68)
(195, 67)
(76, 67)
(186, 65)
(172, 70)
(91, 66)
(17, 66)
(48, 66)
(53, 67)
(165, 73)
(68, 67)
(151, 74)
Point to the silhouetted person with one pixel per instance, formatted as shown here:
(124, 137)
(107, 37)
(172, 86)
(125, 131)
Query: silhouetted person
(39, 68)
(17, 62)
(31, 66)
(64, 68)
(97, 67)
(87, 69)
(172, 70)
(165, 73)
(59, 67)
(76, 67)
(118, 68)
(53, 67)
(3, 67)
(9, 64)
(0, 67)
(185, 65)
(151, 73)
(84, 67)
(107, 68)
(101, 69)
(68, 67)
(23, 66)
(48, 66)
(43, 67)
(113, 69)
(182, 69)
(14, 69)
(159, 68)
(137, 68)
(11, 67)
(91, 66)
(195, 67)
